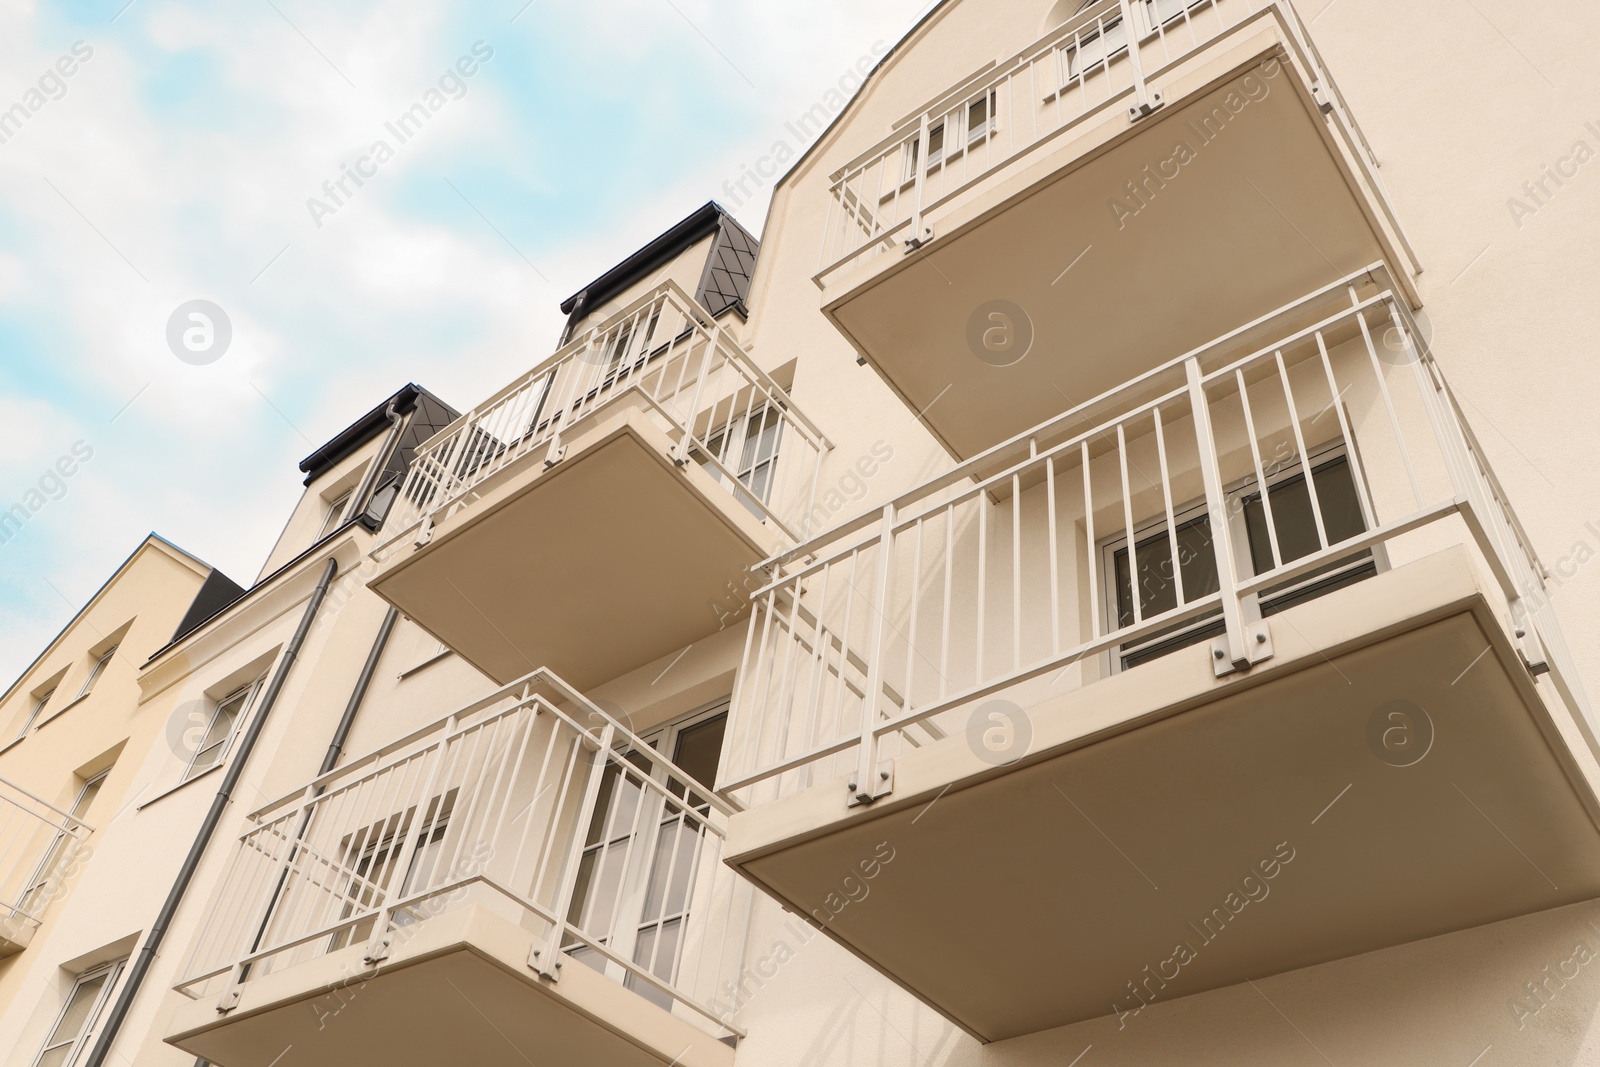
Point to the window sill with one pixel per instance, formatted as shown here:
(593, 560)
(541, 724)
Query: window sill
(425, 664)
(14, 742)
(68, 706)
(181, 785)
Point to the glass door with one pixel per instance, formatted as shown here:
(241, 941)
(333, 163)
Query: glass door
(641, 855)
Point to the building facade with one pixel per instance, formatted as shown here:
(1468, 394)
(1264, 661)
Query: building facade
(1062, 595)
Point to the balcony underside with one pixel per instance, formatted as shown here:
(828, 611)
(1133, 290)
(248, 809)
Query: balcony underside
(606, 561)
(1260, 206)
(14, 938)
(458, 991)
(1030, 897)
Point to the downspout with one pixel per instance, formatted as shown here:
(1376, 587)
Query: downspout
(219, 804)
(369, 481)
(341, 733)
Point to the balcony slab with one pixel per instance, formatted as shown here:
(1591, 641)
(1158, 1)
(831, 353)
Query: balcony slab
(457, 991)
(1169, 832)
(611, 558)
(1116, 245)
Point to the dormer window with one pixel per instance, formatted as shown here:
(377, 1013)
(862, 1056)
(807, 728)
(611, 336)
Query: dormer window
(330, 521)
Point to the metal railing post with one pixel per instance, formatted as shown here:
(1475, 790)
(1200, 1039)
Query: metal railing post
(546, 959)
(1244, 645)
(919, 232)
(871, 780)
(712, 350)
(1144, 102)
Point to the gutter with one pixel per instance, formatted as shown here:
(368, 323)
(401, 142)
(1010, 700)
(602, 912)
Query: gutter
(219, 804)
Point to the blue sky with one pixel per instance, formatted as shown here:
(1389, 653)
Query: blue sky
(176, 162)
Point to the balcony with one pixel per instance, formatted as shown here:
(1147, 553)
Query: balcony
(1243, 667)
(1202, 166)
(39, 848)
(525, 881)
(596, 514)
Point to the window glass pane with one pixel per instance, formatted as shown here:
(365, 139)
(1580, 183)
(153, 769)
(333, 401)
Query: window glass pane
(1158, 591)
(1292, 518)
(91, 789)
(1162, 10)
(935, 143)
(76, 1016)
(699, 751)
(671, 867)
(55, 1057)
(95, 671)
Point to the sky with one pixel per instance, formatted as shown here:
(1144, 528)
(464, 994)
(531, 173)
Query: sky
(166, 152)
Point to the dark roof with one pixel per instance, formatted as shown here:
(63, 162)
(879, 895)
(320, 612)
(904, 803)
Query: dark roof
(365, 429)
(704, 222)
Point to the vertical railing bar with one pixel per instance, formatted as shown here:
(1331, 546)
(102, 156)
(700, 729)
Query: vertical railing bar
(1363, 494)
(1094, 550)
(1305, 454)
(1127, 517)
(1166, 499)
(1261, 474)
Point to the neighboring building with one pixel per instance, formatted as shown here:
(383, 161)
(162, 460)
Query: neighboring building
(72, 739)
(1044, 604)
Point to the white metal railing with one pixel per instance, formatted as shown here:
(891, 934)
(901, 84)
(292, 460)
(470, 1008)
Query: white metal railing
(533, 803)
(37, 844)
(1090, 63)
(664, 350)
(1001, 577)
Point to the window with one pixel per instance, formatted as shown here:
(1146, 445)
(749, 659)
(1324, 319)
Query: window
(41, 885)
(1293, 527)
(635, 878)
(330, 521)
(95, 671)
(981, 117)
(33, 716)
(373, 853)
(219, 730)
(747, 448)
(1094, 50)
(1163, 11)
(79, 1016)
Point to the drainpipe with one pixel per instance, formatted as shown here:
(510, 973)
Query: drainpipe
(219, 804)
(369, 481)
(341, 733)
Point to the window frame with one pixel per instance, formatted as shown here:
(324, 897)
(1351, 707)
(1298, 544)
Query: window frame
(40, 880)
(640, 856)
(247, 694)
(95, 671)
(336, 511)
(1257, 605)
(112, 972)
(38, 710)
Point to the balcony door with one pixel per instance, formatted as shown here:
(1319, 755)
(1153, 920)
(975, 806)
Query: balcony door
(641, 855)
(1292, 528)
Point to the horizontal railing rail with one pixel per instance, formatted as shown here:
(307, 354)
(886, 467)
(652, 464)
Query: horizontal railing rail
(1088, 64)
(533, 803)
(721, 409)
(1198, 498)
(38, 845)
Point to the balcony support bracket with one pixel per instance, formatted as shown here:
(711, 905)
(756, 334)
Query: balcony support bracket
(378, 948)
(881, 786)
(555, 453)
(1144, 108)
(1258, 648)
(546, 961)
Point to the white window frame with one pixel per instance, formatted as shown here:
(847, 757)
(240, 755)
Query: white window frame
(639, 865)
(736, 434)
(45, 871)
(1235, 494)
(331, 521)
(221, 747)
(33, 716)
(95, 670)
(1072, 67)
(111, 972)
